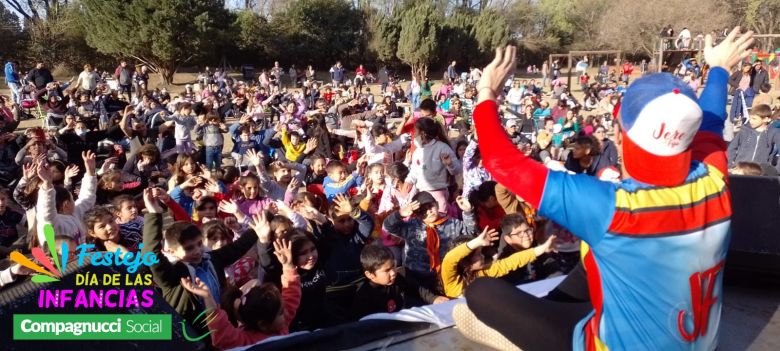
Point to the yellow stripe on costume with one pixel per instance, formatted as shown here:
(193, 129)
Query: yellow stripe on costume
(710, 184)
(600, 346)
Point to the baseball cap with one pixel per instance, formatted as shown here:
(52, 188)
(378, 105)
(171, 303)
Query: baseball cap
(660, 115)
(511, 123)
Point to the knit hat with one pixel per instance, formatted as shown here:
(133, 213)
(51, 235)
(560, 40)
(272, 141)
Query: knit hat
(660, 115)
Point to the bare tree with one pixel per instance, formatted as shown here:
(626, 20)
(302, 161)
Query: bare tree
(633, 25)
(35, 10)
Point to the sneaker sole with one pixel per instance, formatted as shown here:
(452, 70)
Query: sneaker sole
(473, 329)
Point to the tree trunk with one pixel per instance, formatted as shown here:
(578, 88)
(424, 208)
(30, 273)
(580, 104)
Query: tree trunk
(167, 74)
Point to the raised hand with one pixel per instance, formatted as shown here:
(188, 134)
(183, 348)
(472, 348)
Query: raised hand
(228, 206)
(198, 288)
(312, 214)
(546, 247)
(160, 195)
(342, 204)
(255, 158)
(143, 162)
(29, 170)
(464, 204)
(17, 269)
(152, 206)
(484, 239)
(191, 182)
(44, 173)
(213, 187)
(409, 209)
(294, 184)
(89, 161)
(730, 51)
(205, 172)
(311, 145)
(262, 228)
(71, 171)
(282, 208)
(495, 74)
(283, 252)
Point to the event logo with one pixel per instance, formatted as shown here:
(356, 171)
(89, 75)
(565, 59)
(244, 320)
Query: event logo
(50, 274)
(203, 322)
(114, 289)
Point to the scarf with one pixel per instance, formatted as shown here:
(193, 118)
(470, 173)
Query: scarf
(432, 243)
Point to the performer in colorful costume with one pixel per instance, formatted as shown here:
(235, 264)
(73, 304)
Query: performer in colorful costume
(657, 240)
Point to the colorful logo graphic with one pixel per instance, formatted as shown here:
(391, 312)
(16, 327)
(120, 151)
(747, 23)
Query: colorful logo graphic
(49, 274)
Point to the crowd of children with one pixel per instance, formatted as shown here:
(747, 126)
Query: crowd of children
(335, 204)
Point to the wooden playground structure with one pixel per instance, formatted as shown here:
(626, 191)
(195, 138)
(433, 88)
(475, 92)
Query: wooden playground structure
(667, 46)
(572, 54)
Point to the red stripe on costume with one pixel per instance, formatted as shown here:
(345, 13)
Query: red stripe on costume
(596, 299)
(508, 166)
(710, 148)
(671, 221)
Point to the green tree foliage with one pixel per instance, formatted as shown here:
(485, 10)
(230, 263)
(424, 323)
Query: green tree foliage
(317, 30)
(252, 30)
(458, 37)
(761, 16)
(11, 35)
(383, 41)
(164, 34)
(491, 30)
(420, 37)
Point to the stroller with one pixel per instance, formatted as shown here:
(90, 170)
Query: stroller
(29, 108)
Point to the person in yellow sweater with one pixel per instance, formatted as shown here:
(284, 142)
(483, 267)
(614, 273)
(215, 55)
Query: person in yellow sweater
(465, 262)
(293, 147)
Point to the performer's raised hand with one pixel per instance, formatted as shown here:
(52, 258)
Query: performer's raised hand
(730, 51)
(495, 74)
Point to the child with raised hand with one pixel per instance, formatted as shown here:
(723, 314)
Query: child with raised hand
(279, 186)
(185, 122)
(253, 201)
(264, 310)
(386, 289)
(338, 182)
(427, 233)
(55, 205)
(184, 168)
(181, 254)
(373, 188)
(432, 161)
(293, 145)
(465, 261)
(211, 133)
(340, 242)
(311, 313)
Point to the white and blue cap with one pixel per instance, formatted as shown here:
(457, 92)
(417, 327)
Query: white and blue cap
(660, 116)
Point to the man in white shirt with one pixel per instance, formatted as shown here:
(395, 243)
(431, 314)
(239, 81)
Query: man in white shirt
(88, 79)
(684, 38)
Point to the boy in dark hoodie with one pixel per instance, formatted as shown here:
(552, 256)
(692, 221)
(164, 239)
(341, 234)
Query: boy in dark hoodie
(183, 242)
(340, 242)
(755, 142)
